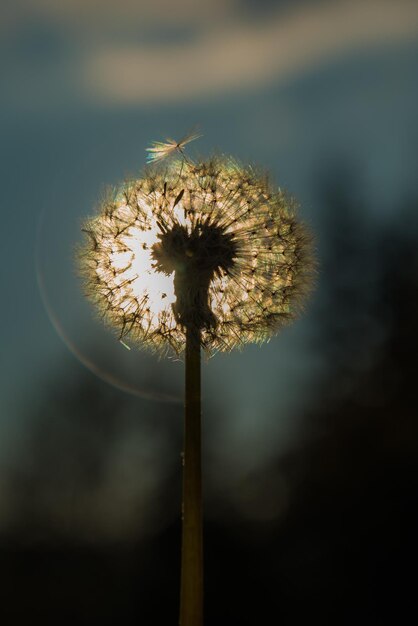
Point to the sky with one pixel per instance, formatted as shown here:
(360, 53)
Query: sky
(302, 89)
(310, 440)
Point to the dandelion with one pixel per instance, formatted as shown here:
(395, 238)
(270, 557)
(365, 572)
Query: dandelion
(161, 150)
(214, 247)
(196, 255)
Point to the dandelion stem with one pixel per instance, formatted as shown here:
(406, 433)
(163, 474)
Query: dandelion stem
(191, 592)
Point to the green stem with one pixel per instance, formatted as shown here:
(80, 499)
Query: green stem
(191, 592)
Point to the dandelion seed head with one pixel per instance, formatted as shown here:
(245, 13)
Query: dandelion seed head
(210, 245)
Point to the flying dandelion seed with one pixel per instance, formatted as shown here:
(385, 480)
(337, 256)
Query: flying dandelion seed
(208, 244)
(161, 150)
(192, 255)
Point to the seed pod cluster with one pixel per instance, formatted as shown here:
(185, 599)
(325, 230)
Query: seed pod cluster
(210, 245)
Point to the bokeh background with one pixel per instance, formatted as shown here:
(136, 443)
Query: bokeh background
(311, 441)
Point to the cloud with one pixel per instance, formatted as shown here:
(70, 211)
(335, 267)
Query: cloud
(242, 55)
(134, 53)
(96, 16)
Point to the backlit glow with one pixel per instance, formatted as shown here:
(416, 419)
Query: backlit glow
(216, 222)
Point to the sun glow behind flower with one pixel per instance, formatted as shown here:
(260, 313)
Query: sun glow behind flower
(136, 267)
(210, 245)
(128, 270)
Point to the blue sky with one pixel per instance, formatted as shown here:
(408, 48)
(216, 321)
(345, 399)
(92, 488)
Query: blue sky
(63, 140)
